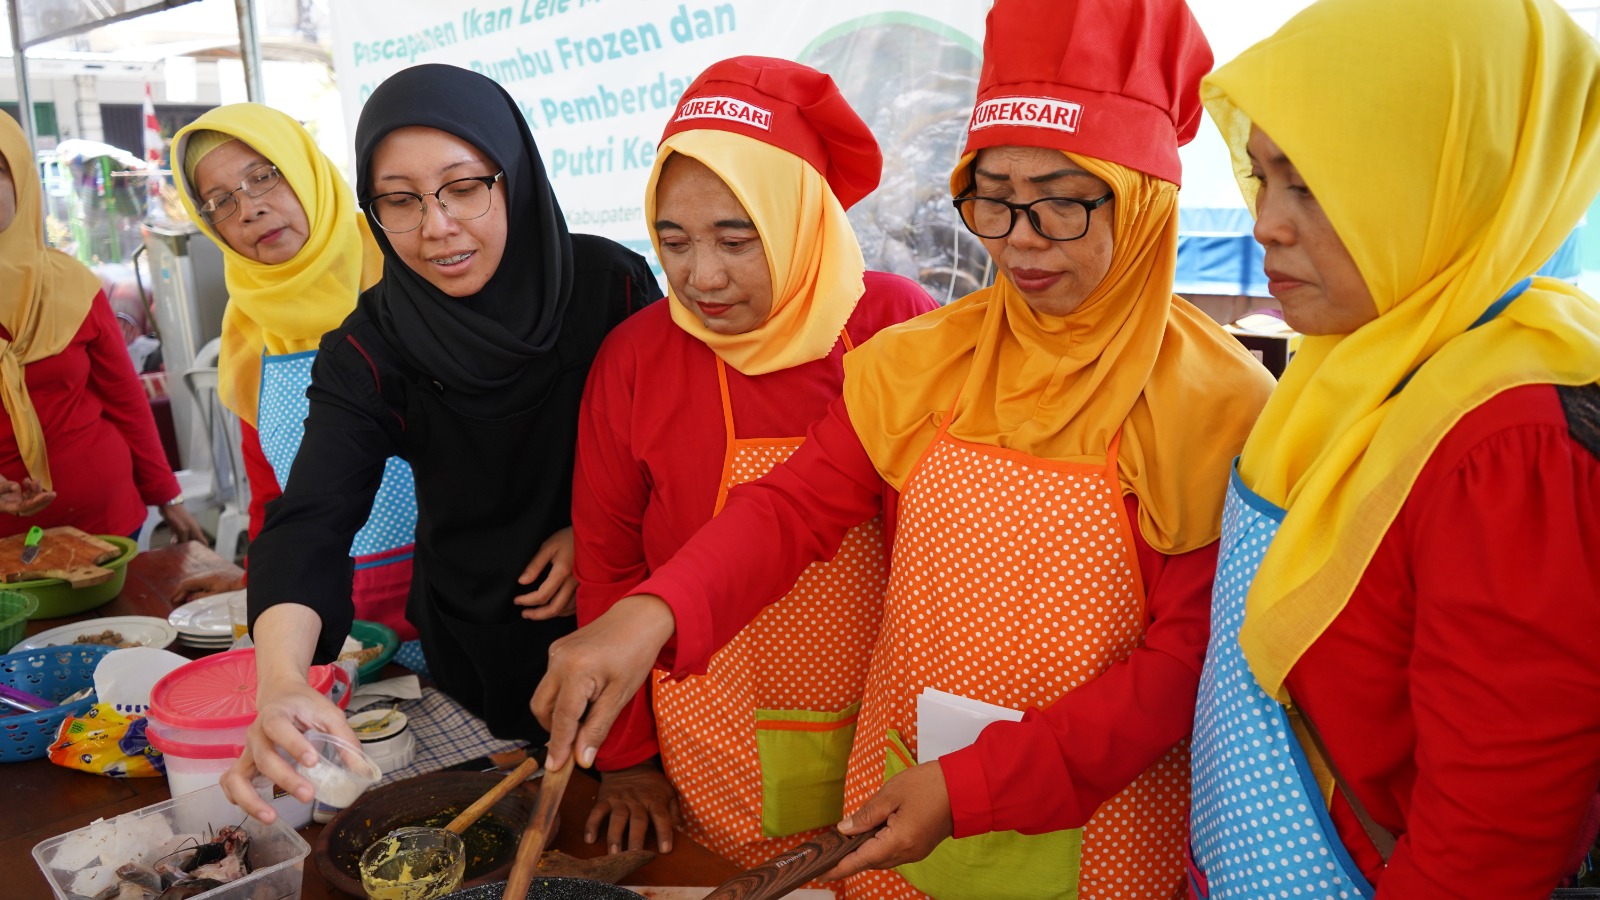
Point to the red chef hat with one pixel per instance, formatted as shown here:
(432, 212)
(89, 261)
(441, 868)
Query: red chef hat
(1117, 80)
(790, 106)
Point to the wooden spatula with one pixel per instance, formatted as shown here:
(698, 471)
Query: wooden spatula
(480, 806)
(537, 834)
(787, 871)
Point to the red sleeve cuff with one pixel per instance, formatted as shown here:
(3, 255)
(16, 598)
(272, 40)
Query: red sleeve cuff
(690, 649)
(968, 789)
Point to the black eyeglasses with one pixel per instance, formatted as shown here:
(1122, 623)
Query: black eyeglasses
(256, 182)
(1054, 218)
(464, 198)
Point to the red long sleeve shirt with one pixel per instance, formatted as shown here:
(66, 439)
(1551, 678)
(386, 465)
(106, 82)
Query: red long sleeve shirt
(105, 455)
(1459, 690)
(260, 475)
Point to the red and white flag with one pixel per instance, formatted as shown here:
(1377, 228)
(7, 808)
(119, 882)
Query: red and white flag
(152, 131)
(152, 146)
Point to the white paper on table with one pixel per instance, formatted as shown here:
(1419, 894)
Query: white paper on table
(947, 722)
(400, 687)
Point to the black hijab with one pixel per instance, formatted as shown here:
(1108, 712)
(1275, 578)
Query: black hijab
(482, 349)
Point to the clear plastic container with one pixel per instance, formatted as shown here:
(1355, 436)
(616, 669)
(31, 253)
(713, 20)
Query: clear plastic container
(342, 771)
(413, 864)
(276, 853)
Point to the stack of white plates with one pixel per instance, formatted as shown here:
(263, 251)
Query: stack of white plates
(204, 624)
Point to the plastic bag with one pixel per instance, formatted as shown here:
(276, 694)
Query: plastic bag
(106, 742)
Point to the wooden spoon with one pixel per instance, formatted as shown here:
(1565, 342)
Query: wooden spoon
(537, 833)
(480, 806)
(787, 871)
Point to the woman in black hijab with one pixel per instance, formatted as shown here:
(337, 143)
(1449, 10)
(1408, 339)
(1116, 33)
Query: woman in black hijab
(468, 361)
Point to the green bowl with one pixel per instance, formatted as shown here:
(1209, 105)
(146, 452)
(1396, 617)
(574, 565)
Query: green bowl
(370, 633)
(15, 608)
(58, 598)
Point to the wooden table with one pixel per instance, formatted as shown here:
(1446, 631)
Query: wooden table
(42, 800)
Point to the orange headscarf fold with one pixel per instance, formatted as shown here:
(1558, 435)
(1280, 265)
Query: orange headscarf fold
(1132, 358)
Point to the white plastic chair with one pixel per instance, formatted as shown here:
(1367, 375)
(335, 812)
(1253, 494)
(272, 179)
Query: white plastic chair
(217, 480)
(230, 488)
(197, 482)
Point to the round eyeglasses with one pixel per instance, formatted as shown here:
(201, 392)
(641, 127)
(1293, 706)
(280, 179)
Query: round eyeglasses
(1054, 218)
(464, 198)
(256, 182)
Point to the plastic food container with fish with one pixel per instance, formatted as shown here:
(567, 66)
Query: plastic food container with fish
(196, 845)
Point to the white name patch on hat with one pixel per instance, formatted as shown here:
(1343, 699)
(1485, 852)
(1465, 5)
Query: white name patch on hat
(1032, 112)
(729, 108)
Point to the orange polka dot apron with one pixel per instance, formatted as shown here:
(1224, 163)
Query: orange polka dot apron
(1014, 580)
(757, 746)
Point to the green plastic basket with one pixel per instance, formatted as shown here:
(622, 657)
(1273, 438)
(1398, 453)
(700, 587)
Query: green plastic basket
(15, 608)
(58, 598)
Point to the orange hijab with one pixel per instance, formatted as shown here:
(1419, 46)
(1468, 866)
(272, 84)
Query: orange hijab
(1132, 358)
(46, 298)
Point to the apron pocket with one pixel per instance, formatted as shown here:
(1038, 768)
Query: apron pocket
(1001, 865)
(803, 756)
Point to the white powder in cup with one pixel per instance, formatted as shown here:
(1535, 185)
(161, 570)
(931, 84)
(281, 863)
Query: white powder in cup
(333, 785)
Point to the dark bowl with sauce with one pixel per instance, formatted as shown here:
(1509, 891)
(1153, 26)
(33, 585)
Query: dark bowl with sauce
(430, 800)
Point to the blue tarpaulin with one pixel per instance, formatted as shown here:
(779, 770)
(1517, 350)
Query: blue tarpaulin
(1218, 255)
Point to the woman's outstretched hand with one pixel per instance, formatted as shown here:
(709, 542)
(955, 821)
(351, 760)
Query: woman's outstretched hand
(595, 671)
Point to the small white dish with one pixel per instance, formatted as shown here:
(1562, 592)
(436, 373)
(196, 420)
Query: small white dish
(145, 631)
(207, 617)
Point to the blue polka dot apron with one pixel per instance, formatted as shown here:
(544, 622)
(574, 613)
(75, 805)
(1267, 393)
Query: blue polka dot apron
(382, 549)
(757, 746)
(1259, 827)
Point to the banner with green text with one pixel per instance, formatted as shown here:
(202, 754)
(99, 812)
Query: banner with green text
(598, 79)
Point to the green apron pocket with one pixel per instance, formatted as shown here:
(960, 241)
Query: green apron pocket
(803, 756)
(1001, 865)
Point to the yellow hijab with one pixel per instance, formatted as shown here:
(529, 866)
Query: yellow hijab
(46, 297)
(811, 250)
(284, 308)
(1133, 357)
(1452, 167)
